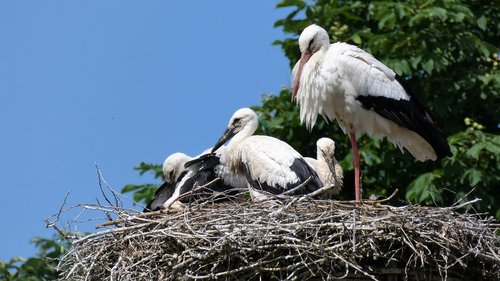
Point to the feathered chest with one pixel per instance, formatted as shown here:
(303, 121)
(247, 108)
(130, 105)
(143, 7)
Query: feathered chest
(322, 91)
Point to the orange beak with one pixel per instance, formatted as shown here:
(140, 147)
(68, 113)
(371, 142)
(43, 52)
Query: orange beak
(303, 59)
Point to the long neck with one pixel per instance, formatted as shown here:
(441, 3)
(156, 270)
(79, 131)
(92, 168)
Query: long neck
(233, 150)
(307, 93)
(247, 131)
(314, 62)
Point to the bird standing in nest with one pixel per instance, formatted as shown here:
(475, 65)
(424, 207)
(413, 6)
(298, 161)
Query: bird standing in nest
(343, 82)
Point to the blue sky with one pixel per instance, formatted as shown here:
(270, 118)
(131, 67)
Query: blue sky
(114, 83)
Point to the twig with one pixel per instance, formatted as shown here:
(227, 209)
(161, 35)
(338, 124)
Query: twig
(291, 191)
(465, 196)
(463, 204)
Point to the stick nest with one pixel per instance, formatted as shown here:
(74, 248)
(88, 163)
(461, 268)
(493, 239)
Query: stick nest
(287, 239)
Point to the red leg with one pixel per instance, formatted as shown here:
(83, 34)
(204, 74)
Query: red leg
(355, 161)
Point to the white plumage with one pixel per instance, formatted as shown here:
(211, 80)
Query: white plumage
(173, 171)
(173, 166)
(343, 82)
(235, 180)
(326, 166)
(268, 164)
(179, 180)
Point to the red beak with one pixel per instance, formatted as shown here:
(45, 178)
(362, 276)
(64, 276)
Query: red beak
(303, 59)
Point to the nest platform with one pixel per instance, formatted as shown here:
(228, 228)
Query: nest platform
(288, 239)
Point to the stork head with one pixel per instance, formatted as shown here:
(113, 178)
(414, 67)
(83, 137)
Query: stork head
(173, 167)
(244, 120)
(326, 148)
(311, 40)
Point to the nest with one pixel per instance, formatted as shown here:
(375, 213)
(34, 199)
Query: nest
(287, 239)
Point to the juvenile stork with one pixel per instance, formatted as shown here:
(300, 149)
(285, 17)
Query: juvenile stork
(269, 164)
(341, 81)
(327, 167)
(173, 170)
(184, 174)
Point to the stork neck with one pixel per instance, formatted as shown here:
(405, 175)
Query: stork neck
(312, 66)
(319, 55)
(246, 132)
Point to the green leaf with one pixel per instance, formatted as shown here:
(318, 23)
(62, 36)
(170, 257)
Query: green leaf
(415, 20)
(475, 150)
(370, 157)
(418, 190)
(414, 61)
(146, 193)
(387, 22)
(356, 39)
(428, 66)
(289, 3)
(473, 176)
(143, 167)
(401, 67)
(493, 148)
(482, 22)
(439, 12)
(131, 187)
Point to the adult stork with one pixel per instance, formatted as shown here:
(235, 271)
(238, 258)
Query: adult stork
(327, 167)
(269, 164)
(173, 170)
(343, 82)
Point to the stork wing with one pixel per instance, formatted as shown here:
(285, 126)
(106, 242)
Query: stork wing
(272, 165)
(208, 160)
(365, 74)
(162, 194)
(378, 88)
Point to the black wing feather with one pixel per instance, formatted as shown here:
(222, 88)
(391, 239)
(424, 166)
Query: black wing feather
(207, 160)
(410, 114)
(204, 174)
(304, 172)
(162, 194)
(300, 168)
(256, 184)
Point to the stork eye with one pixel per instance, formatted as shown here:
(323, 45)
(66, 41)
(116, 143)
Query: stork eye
(310, 44)
(236, 120)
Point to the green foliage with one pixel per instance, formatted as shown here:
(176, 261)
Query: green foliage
(447, 52)
(473, 165)
(156, 169)
(39, 268)
(144, 192)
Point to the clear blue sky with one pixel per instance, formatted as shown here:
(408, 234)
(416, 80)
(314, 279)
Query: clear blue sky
(116, 83)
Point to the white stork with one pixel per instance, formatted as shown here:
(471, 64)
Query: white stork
(327, 167)
(173, 167)
(173, 170)
(198, 174)
(341, 81)
(268, 164)
(202, 170)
